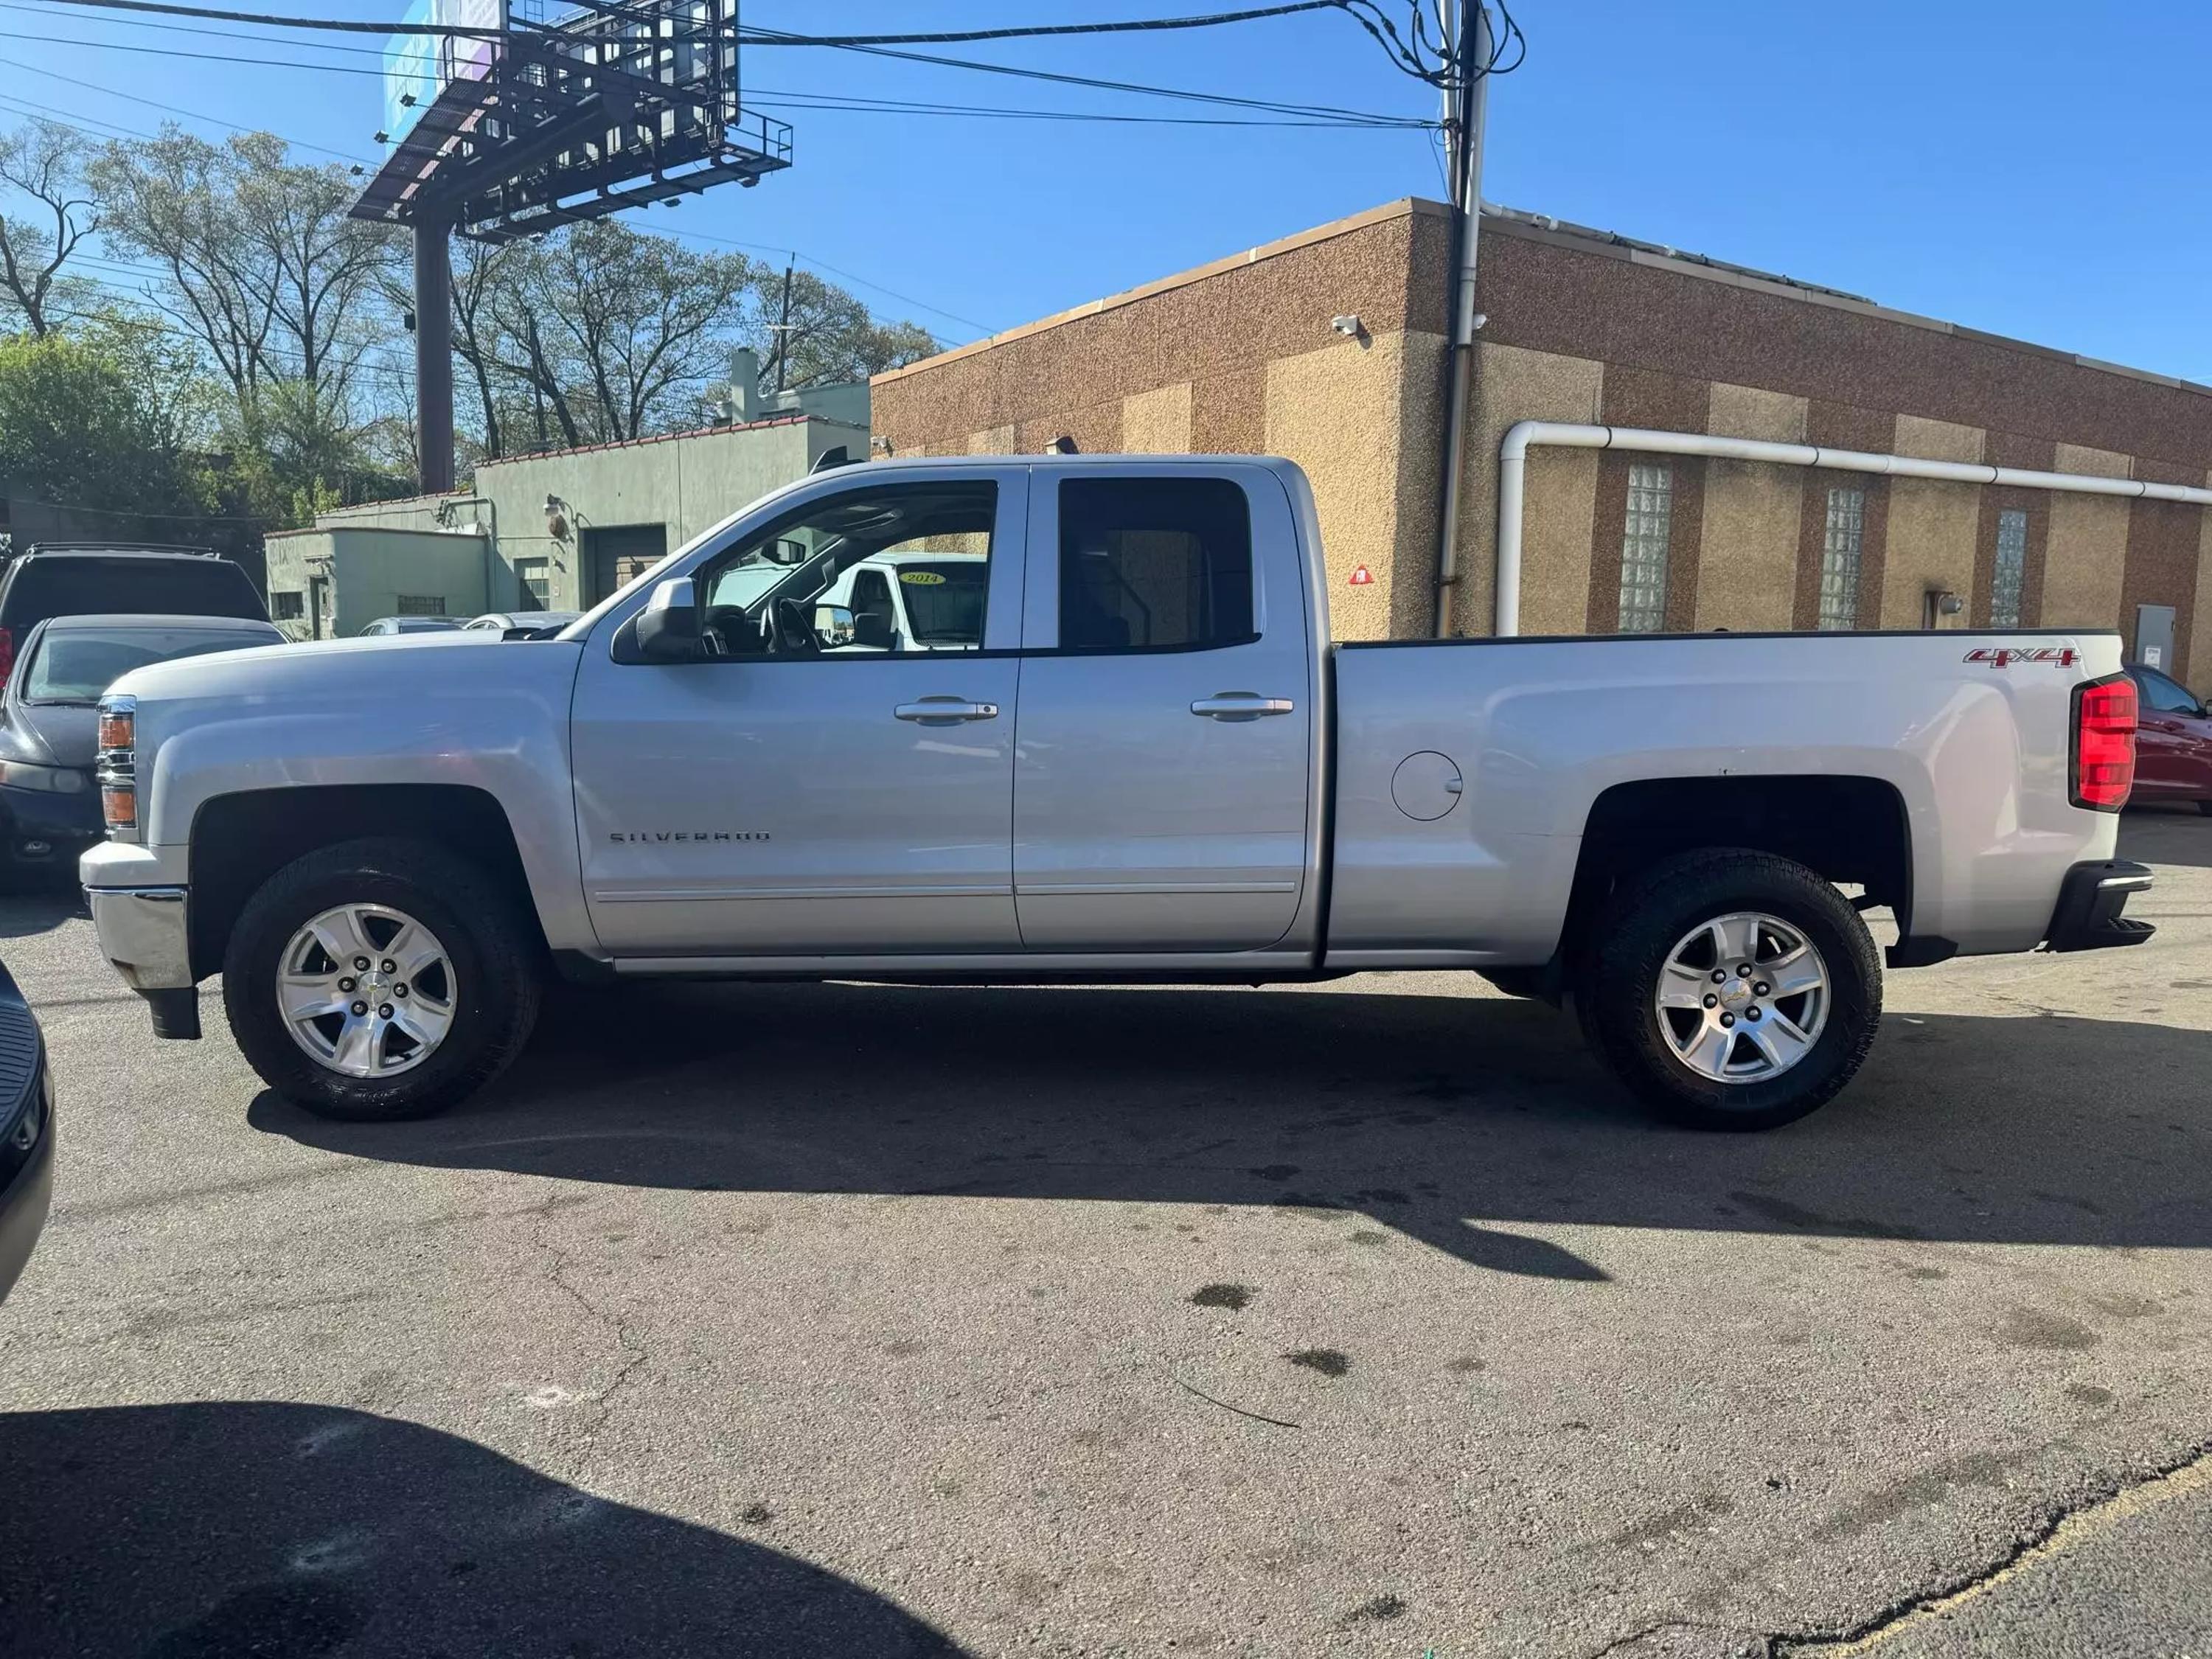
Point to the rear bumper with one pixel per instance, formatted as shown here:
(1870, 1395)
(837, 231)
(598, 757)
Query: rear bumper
(144, 933)
(2090, 901)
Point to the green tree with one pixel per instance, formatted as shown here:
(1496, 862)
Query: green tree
(77, 431)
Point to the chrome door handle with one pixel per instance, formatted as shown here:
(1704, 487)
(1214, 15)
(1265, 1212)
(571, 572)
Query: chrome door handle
(946, 711)
(1241, 706)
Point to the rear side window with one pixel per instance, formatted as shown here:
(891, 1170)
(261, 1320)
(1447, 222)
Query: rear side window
(60, 585)
(1154, 564)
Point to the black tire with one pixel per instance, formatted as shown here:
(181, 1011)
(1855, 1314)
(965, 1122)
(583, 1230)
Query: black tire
(1618, 977)
(494, 959)
(2205, 807)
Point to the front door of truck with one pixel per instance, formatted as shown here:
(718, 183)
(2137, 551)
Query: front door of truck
(794, 794)
(1160, 785)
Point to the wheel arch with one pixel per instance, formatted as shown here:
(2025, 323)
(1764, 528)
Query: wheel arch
(240, 840)
(1848, 829)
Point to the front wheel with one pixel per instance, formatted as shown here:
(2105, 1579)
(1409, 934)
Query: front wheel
(1731, 990)
(379, 980)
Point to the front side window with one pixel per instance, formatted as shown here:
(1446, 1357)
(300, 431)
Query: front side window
(1841, 538)
(776, 595)
(1154, 564)
(1644, 538)
(2009, 573)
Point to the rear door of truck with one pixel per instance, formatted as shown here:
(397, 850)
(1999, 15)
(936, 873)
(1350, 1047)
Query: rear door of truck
(1164, 740)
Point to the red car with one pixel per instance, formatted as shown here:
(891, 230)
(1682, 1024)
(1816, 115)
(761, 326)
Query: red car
(2173, 742)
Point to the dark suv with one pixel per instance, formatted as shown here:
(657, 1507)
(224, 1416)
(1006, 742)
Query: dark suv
(71, 578)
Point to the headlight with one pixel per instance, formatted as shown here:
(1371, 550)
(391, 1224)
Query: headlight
(117, 768)
(54, 780)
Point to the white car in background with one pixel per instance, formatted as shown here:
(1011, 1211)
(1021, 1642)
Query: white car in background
(909, 602)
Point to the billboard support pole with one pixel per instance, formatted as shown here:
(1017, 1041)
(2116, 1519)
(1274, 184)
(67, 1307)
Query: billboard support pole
(434, 353)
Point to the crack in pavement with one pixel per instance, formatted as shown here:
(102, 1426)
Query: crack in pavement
(2122, 1497)
(635, 1355)
(2115, 1501)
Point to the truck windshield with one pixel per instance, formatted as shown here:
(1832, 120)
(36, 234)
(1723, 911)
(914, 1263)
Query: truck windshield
(944, 601)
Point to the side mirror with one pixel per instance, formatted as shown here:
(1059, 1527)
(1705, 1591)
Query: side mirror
(668, 627)
(833, 626)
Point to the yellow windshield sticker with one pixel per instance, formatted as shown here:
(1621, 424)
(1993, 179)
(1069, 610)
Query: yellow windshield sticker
(922, 578)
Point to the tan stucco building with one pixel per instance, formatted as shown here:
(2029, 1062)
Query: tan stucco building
(1329, 348)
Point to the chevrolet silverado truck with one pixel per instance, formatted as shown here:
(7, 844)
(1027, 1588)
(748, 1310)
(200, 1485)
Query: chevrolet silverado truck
(1143, 761)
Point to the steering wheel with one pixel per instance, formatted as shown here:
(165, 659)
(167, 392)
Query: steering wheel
(790, 629)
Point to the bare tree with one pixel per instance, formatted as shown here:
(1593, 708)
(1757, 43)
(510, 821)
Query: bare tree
(258, 256)
(45, 163)
(831, 338)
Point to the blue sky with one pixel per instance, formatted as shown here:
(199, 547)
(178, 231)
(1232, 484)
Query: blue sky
(2038, 170)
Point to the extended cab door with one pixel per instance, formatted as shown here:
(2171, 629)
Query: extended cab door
(1166, 756)
(797, 794)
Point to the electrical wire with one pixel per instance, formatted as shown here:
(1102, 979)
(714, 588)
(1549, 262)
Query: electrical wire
(170, 109)
(772, 37)
(827, 102)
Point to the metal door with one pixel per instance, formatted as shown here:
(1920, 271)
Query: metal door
(858, 804)
(616, 554)
(1161, 790)
(2155, 637)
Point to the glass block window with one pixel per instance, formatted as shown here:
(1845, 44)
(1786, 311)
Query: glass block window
(2009, 575)
(1839, 557)
(1644, 548)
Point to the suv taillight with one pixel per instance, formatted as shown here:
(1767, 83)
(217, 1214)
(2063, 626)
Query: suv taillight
(2104, 769)
(7, 653)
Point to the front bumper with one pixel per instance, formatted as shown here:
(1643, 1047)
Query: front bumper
(146, 934)
(26, 1137)
(40, 828)
(2090, 900)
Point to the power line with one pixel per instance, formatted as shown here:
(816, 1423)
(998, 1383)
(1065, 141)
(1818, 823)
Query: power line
(780, 37)
(832, 103)
(1035, 31)
(171, 109)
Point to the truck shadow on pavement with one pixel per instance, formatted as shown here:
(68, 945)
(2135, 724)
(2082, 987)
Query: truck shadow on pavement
(1476, 1124)
(191, 1531)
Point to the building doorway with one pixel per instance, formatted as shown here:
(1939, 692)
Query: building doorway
(319, 621)
(616, 554)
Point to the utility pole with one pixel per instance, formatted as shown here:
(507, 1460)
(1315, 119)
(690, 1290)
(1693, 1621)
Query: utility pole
(434, 355)
(1465, 99)
(783, 331)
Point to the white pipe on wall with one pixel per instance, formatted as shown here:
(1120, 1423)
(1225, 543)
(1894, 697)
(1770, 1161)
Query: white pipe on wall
(1520, 439)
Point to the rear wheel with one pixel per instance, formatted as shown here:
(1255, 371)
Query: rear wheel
(2205, 807)
(1731, 990)
(380, 980)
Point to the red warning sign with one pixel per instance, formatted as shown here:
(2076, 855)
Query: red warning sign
(1361, 577)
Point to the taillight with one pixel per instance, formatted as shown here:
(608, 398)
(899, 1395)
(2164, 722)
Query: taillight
(7, 652)
(2104, 769)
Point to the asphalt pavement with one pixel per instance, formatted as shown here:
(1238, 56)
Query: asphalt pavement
(1365, 1319)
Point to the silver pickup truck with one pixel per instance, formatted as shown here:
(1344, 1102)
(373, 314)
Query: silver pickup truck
(1127, 752)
